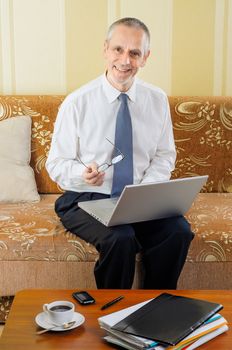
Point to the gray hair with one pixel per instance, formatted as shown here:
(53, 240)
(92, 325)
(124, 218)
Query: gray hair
(131, 22)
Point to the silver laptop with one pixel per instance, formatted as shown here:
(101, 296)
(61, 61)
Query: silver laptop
(145, 202)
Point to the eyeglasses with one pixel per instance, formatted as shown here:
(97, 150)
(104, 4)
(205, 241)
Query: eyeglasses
(115, 160)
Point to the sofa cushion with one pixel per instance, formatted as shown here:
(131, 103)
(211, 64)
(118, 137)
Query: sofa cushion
(211, 220)
(32, 231)
(17, 181)
(202, 131)
(42, 111)
(203, 134)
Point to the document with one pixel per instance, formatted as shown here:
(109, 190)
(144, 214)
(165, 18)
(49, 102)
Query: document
(206, 338)
(193, 345)
(114, 322)
(168, 318)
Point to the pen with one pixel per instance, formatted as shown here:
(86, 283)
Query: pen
(112, 302)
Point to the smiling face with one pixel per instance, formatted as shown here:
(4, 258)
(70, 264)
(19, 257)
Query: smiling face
(125, 54)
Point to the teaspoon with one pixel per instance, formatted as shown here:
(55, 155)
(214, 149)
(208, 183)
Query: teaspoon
(64, 325)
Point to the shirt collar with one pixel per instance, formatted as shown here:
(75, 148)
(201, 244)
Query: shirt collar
(112, 93)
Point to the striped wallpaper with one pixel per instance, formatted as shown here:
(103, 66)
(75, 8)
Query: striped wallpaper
(55, 46)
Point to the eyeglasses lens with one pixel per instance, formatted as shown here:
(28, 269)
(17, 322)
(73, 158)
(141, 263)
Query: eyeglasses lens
(103, 167)
(117, 159)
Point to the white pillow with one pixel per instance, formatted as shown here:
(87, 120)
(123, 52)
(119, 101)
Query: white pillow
(17, 181)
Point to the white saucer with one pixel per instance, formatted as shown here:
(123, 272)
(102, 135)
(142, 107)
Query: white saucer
(42, 321)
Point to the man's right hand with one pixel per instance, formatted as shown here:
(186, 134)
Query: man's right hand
(92, 176)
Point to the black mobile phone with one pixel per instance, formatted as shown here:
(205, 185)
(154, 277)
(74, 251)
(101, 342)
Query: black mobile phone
(83, 297)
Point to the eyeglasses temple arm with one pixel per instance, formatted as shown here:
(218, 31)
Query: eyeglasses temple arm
(82, 163)
(115, 147)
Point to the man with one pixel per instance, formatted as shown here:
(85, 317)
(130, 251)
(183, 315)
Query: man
(85, 137)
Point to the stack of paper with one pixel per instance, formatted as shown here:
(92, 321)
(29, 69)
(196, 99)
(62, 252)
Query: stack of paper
(208, 330)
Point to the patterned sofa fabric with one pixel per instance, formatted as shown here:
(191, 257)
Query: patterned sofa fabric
(43, 111)
(211, 220)
(202, 130)
(5, 305)
(203, 137)
(31, 232)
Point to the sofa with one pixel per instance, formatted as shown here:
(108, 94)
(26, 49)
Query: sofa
(37, 252)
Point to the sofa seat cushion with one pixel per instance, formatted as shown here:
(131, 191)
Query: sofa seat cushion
(211, 220)
(32, 231)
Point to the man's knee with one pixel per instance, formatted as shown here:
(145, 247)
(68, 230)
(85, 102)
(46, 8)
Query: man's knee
(183, 228)
(121, 234)
(121, 238)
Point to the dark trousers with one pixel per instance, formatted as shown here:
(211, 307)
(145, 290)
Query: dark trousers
(163, 243)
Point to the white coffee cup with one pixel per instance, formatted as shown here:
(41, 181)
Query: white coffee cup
(59, 312)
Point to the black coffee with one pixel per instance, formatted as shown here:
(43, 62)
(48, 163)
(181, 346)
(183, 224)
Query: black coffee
(60, 308)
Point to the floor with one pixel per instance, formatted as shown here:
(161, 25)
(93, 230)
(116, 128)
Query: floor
(1, 329)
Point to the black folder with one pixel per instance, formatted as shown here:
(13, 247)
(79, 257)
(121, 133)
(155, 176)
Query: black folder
(168, 318)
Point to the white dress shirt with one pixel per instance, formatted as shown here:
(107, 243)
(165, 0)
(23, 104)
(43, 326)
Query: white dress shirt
(88, 116)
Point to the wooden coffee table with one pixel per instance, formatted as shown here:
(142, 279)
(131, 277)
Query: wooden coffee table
(19, 331)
